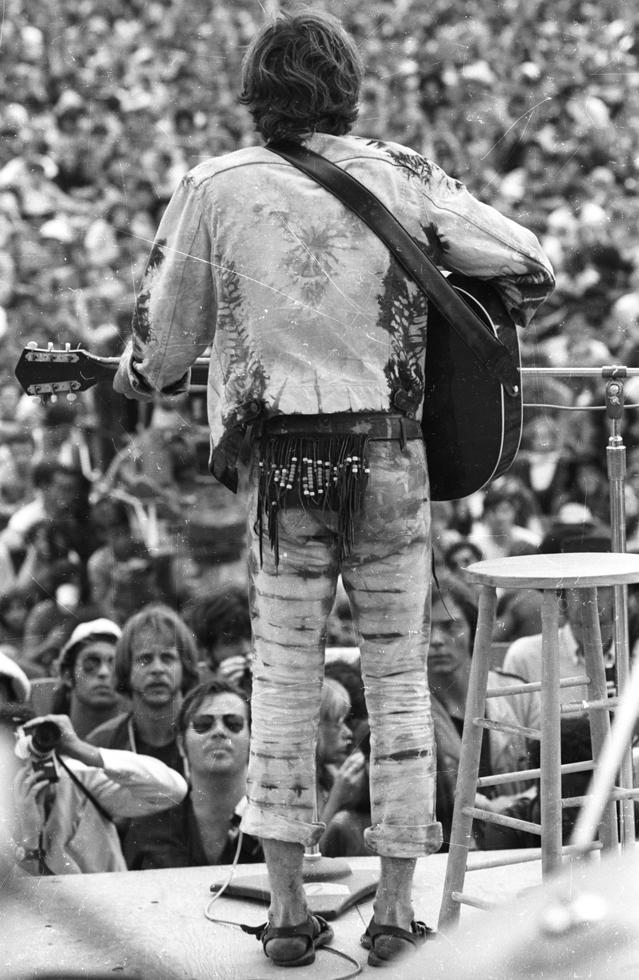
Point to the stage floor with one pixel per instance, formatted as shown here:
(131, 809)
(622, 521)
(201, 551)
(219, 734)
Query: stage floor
(151, 925)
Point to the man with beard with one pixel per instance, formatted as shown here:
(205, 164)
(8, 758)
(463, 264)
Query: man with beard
(155, 666)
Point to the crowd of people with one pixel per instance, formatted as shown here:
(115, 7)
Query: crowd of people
(105, 107)
(123, 606)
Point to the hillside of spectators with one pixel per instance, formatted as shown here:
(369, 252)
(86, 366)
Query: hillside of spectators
(105, 105)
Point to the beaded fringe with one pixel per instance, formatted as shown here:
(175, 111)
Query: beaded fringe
(328, 472)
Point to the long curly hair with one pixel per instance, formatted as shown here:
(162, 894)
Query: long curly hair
(169, 628)
(302, 74)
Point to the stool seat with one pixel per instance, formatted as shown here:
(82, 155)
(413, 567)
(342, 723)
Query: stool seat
(576, 570)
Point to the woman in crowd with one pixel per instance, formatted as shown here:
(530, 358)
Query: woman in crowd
(342, 776)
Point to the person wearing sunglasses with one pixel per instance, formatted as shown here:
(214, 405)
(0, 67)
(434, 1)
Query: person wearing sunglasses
(213, 729)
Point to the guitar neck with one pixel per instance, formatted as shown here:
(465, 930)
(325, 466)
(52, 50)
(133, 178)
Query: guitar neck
(47, 372)
(105, 368)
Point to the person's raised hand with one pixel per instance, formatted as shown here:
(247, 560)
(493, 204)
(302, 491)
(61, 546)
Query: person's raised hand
(348, 779)
(29, 791)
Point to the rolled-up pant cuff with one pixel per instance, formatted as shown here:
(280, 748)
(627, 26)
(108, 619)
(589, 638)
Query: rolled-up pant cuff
(272, 826)
(404, 842)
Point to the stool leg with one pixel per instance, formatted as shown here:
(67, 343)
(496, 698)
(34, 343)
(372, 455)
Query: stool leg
(550, 747)
(466, 789)
(626, 775)
(599, 720)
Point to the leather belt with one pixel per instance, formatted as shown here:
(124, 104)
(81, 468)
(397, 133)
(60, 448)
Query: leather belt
(376, 426)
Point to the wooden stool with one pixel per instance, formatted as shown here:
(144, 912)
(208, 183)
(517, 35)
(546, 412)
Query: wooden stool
(549, 573)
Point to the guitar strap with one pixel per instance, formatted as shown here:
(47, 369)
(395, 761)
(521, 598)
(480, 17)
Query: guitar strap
(489, 350)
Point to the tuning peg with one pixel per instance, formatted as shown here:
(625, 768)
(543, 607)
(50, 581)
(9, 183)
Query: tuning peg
(50, 345)
(72, 397)
(32, 345)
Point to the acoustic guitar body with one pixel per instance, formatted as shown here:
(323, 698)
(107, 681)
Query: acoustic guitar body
(471, 425)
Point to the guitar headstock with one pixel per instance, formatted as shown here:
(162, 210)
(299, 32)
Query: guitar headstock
(45, 372)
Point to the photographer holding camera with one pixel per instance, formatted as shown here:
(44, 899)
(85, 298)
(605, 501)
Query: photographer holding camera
(68, 794)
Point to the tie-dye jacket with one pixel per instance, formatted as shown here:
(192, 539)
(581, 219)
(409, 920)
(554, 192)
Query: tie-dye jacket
(302, 307)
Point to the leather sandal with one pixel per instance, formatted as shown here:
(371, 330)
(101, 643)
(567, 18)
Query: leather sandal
(387, 943)
(316, 931)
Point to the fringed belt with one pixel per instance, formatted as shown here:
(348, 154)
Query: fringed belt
(320, 461)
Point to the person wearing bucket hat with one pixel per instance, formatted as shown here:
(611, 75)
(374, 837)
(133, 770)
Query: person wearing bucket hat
(86, 667)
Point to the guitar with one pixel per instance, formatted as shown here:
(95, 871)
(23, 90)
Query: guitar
(471, 426)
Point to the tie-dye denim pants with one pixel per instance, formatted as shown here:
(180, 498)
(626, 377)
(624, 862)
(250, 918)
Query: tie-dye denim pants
(387, 578)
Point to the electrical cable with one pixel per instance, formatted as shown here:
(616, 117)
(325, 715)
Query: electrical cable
(232, 922)
(220, 891)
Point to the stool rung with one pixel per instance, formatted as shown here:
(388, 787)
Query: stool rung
(569, 801)
(503, 821)
(506, 691)
(624, 794)
(577, 707)
(615, 794)
(476, 903)
(502, 726)
(526, 856)
(522, 775)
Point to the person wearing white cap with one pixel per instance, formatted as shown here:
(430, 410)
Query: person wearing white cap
(15, 686)
(86, 667)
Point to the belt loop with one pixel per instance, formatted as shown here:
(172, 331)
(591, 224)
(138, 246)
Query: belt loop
(402, 433)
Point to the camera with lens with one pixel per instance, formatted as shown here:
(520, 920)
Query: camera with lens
(43, 740)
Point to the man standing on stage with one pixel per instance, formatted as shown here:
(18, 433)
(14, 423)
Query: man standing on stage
(317, 338)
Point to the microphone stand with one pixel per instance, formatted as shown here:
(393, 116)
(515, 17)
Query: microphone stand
(619, 754)
(331, 885)
(616, 464)
(319, 868)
